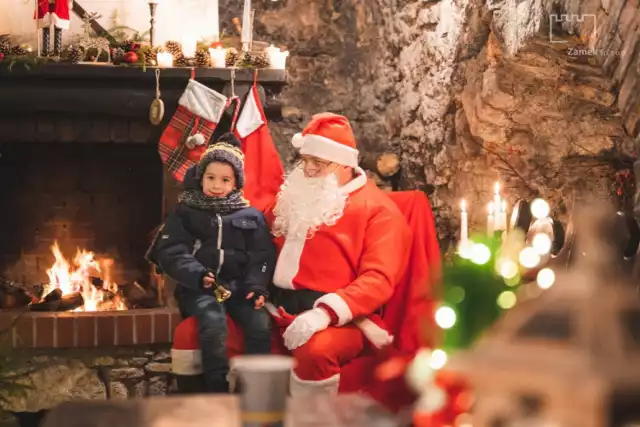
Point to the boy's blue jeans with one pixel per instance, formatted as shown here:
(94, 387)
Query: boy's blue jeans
(212, 329)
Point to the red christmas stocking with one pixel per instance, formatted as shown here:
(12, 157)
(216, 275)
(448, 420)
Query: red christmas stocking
(191, 127)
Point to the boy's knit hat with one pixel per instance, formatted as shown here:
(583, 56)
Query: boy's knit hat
(227, 150)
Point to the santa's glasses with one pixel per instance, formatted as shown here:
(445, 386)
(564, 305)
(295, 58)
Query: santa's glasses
(312, 164)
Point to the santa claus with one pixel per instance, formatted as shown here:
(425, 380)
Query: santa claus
(56, 13)
(343, 246)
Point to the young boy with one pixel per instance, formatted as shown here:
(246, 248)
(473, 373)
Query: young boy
(215, 238)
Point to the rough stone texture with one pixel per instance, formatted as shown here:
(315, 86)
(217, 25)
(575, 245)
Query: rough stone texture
(87, 375)
(414, 77)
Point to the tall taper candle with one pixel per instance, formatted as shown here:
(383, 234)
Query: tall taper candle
(496, 206)
(464, 225)
(246, 26)
(216, 21)
(490, 221)
(502, 218)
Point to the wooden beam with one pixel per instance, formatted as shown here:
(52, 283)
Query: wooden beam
(95, 25)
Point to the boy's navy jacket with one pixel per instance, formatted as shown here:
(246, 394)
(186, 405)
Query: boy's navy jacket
(186, 247)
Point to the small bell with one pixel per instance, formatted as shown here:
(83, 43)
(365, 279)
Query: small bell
(221, 293)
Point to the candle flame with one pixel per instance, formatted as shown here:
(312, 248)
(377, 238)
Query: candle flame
(463, 205)
(496, 188)
(490, 208)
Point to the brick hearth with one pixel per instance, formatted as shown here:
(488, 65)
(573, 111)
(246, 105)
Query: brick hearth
(90, 329)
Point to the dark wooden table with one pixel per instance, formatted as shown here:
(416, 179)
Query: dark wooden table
(217, 411)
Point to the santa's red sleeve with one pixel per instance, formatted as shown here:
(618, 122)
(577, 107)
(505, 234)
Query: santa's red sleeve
(263, 168)
(382, 263)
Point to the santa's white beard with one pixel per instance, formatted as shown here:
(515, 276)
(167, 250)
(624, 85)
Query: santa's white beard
(304, 204)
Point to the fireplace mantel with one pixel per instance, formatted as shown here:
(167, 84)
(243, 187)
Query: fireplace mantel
(96, 103)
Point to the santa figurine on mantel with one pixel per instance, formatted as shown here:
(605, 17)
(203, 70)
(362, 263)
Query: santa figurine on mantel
(56, 14)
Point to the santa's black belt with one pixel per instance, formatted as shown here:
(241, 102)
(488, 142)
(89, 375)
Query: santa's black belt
(294, 301)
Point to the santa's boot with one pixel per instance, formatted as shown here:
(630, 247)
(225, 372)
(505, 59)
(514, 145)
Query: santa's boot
(46, 42)
(300, 387)
(57, 42)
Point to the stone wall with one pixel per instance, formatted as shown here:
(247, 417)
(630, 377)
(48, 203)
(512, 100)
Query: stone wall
(108, 373)
(470, 92)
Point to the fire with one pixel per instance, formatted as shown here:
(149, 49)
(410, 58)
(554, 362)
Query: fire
(89, 276)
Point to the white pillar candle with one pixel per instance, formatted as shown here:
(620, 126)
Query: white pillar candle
(464, 224)
(279, 60)
(189, 45)
(165, 59)
(490, 220)
(218, 57)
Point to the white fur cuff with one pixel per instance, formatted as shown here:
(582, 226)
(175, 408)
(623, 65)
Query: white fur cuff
(338, 305)
(377, 336)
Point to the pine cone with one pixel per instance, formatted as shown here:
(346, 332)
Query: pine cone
(244, 60)
(18, 51)
(260, 60)
(180, 61)
(5, 44)
(174, 48)
(75, 54)
(203, 59)
(117, 52)
(231, 57)
(152, 57)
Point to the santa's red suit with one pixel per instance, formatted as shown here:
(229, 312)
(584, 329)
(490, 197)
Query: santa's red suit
(355, 263)
(56, 13)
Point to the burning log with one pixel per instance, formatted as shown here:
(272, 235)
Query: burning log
(15, 295)
(97, 282)
(136, 296)
(54, 295)
(386, 164)
(65, 303)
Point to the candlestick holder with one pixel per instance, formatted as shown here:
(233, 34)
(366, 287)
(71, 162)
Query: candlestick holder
(153, 4)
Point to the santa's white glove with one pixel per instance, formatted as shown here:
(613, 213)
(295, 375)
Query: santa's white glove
(304, 326)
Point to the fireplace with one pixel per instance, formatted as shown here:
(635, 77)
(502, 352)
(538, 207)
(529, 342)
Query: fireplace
(102, 197)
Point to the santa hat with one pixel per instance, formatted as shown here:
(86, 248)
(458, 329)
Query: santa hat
(329, 137)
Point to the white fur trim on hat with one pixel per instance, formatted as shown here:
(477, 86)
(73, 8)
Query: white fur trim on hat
(297, 140)
(326, 149)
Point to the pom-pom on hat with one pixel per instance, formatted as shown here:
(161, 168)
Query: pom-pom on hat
(329, 137)
(226, 150)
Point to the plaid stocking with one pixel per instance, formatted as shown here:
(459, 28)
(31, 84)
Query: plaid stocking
(191, 127)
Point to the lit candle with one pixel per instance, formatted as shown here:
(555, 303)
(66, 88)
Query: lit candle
(189, 45)
(279, 59)
(496, 205)
(165, 59)
(464, 225)
(490, 221)
(216, 21)
(218, 57)
(502, 221)
(246, 26)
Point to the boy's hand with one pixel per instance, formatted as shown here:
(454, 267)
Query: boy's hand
(259, 302)
(208, 280)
